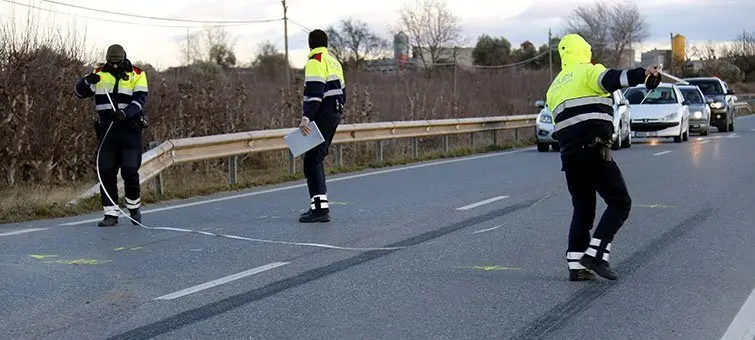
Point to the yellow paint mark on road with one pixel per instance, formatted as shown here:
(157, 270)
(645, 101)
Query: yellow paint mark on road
(488, 268)
(39, 257)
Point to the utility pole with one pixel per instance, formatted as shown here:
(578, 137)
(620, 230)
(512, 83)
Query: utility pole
(285, 32)
(550, 53)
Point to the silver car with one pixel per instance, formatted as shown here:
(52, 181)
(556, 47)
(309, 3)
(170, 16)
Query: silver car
(699, 108)
(622, 137)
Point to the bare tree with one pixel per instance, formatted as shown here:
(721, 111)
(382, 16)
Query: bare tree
(610, 29)
(742, 54)
(212, 44)
(354, 42)
(431, 27)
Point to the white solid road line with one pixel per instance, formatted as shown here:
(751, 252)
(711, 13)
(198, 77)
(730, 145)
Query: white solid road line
(743, 326)
(19, 232)
(475, 205)
(255, 193)
(489, 229)
(704, 142)
(221, 281)
(662, 153)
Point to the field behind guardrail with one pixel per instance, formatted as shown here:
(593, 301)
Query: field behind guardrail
(49, 143)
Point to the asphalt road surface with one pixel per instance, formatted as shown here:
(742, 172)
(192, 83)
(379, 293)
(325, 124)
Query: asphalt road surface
(474, 248)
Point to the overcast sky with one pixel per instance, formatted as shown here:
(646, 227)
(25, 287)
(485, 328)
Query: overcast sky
(517, 20)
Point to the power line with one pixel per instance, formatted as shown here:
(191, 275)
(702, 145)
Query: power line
(303, 28)
(108, 20)
(166, 19)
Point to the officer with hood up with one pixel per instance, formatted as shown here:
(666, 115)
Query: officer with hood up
(581, 106)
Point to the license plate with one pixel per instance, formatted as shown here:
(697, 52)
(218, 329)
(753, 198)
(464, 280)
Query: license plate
(645, 134)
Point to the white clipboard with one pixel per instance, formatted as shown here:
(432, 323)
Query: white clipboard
(299, 143)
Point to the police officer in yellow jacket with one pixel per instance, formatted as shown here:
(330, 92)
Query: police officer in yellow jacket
(324, 98)
(580, 103)
(122, 149)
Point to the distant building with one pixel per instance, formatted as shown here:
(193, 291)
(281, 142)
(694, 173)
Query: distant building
(656, 56)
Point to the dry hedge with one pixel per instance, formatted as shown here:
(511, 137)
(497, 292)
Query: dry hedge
(47, 135)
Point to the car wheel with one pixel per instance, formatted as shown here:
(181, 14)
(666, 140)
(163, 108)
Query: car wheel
(616, 144)
(731, 126)
(627, 143)
(680, 137)
(542, 147)
(556, 147)
(705, 132)
(723, 127)
(686, 136)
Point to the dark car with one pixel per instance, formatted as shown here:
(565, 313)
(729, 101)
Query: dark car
(699, 109)
(722, 108)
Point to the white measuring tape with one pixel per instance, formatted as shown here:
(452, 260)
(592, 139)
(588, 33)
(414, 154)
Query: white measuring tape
(233, 237)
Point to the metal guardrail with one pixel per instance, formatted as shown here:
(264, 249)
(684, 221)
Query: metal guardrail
(184, 150)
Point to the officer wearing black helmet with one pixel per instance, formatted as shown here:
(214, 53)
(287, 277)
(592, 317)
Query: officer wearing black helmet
(122, 149)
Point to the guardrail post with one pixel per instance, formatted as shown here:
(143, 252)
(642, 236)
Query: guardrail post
(516, 134)
(446, 146)
(379, 152)
(232, 172)
(471, 140)
(339, 155)
(159, 178)
(291, 163)
(415, 148)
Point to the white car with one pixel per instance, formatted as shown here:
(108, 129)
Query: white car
(664, 113)
(622, 137)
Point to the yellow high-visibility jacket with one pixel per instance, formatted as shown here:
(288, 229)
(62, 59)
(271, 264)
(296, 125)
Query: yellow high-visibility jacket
(579, 98)
(324, 84)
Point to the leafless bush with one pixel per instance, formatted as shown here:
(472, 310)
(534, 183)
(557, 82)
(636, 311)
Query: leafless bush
(47, 138)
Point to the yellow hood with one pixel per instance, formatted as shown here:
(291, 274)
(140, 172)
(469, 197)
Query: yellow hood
(574, 50)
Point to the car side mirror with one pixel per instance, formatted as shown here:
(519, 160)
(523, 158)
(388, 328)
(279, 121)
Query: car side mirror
(730, 92)
(624, 102)
(540, 104)
(685, 102)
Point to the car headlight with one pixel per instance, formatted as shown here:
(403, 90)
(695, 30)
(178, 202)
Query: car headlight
(671, 116)
(717, 105)
(546, 119)
(697, 115)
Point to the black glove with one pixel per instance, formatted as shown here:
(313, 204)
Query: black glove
(118, 115)
(92, 78)
(651, 81)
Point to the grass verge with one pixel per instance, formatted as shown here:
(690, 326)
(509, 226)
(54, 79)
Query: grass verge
(209, 177)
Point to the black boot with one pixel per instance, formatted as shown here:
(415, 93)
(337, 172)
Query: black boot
(108, 221)
(596, 258)
(322, 215)
(599, 266)
(136, 214)
(580, 275)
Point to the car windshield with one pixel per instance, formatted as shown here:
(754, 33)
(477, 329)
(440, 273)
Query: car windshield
(709, 87)
(660, 95)
(692, 96)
